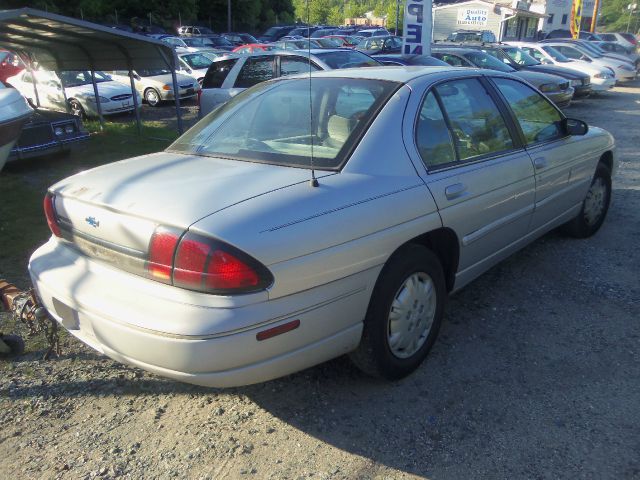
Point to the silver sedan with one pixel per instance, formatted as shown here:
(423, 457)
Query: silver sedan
(307, 219)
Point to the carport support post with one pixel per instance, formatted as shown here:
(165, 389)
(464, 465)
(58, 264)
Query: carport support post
(135, 101)
(176, 96)
(35, 84)
(97, 96)
(64, 92)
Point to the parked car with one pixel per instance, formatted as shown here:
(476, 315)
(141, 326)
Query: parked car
(194, 65)
(624, 71)
(10, 65)
(255, 48)
(345, 41)
(380, 45)
(156, 85)
(520, 60)
(194, 30)
(418, 60)
(230, 75)
(238, 39)
(14, 113)
(114, 97)
(612, 47)
(217, 263)
(48, 132)
(323, 32)
(602, 78)
(626, 40)
(565, 33)
(306, 44)
(557, 89)
(304, 31)
(464, 36)
(593, 49)
(373, 32)
(275, 33)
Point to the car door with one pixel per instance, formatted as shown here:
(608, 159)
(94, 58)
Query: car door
(563, 166)
(477, 171)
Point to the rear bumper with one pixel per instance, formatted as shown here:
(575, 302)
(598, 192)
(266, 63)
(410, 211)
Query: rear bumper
(143, 323)
(55, 146)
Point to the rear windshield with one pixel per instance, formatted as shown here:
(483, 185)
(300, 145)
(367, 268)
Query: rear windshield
(217, 72)
(272, 122)
(346, 59)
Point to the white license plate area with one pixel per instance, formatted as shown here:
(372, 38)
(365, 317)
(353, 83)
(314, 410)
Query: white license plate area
(73, 321)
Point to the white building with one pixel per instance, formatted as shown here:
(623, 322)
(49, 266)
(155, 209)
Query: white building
(508, 20)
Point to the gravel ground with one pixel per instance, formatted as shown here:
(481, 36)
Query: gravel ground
(535, 375)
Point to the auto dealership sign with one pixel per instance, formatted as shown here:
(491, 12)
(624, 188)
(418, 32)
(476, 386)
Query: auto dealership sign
(473, 17)
(416, 36)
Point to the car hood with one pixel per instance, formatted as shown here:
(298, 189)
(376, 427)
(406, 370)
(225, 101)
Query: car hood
(170, 188)
(537, 79)
(559, 71)
(105, 89)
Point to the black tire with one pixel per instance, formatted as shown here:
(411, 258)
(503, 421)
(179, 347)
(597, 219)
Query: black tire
(584, 224)
(15, 343)
(76, 108)
(152, 97)
(374, 355)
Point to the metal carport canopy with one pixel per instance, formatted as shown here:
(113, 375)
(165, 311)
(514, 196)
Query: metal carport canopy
(64, 43)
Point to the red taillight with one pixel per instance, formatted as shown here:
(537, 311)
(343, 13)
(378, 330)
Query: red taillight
(50, 213)
(161, 249)
(204, 264)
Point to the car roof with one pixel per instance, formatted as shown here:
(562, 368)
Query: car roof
(402, 74)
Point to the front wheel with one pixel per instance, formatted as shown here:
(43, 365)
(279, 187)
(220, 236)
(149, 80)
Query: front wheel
(152, 97)
(594, 207)
(404, 314)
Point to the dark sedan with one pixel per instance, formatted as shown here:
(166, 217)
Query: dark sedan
(418, 60)
(48, 132)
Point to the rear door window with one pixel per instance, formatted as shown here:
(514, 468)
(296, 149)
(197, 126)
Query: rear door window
(433, 137)
(538, 118)
(217, 73)
(477, 125)
(291, 65)
(256, 70)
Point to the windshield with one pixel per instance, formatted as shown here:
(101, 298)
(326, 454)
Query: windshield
(588, 48)
(327, 42)
(196, 42)
(82, 77)
(483, 60)
(3, 56)
(197, 61)
(347, 59)
(272, 122)
(556, 55)
(220, 42)
(520, 57)
(152, 73)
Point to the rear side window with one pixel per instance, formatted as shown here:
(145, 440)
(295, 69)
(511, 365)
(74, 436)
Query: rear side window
(477, 125)
(292, 65)
(432, 135)
(254, 71)
(217, 73)
(538, 118)
(453, 60)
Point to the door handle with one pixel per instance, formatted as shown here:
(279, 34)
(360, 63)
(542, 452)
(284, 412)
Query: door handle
(539, 163)
(454, 191)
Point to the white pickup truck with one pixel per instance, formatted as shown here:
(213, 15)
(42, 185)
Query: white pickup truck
(231, 74)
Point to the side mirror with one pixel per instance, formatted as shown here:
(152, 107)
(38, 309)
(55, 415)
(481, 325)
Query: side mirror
(573, 126)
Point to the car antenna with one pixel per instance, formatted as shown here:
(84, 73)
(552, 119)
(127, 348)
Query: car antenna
(314, 180)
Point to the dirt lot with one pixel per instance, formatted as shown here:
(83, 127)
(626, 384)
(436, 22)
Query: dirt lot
(536, 374)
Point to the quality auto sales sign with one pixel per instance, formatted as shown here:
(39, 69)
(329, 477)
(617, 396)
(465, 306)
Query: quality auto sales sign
(472, 16)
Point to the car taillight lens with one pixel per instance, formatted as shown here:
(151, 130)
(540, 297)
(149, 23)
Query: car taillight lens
(161, 250)
(50, 213)
(197, 262)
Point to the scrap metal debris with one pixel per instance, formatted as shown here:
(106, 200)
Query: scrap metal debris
(25, 307)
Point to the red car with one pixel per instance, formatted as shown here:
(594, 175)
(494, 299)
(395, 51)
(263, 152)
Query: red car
(344, 41)
(254, 48)
(10, 65)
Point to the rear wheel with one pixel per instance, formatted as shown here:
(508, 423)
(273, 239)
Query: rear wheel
(404, 314)
(152, 97)
(594, 207)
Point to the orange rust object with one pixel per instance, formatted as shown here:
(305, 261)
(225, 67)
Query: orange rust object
(8, 293)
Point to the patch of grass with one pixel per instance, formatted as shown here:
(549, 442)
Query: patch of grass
(24, 183)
